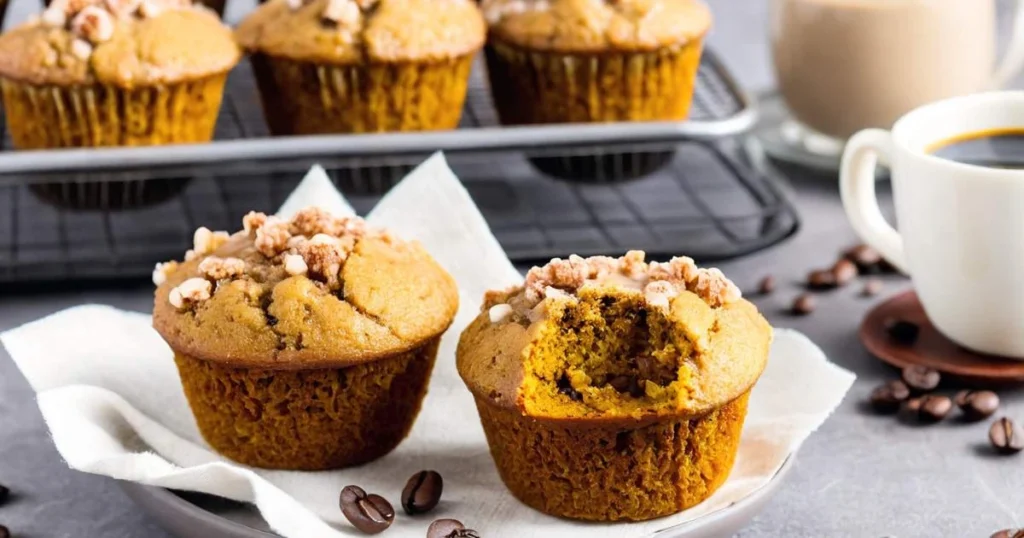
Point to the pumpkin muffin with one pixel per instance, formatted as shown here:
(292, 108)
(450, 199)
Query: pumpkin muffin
(356, 66)
(564, 61)
(115, 73)
(613, 389)
(307, 343)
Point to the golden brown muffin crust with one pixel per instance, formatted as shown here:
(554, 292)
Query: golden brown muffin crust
(712, 346)
(174, 46)
(595, 26)
(298, 295)
(343, 32)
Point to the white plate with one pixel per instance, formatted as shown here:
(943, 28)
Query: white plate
(189, 515)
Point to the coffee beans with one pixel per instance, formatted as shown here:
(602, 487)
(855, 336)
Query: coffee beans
(866, 258)
(369, 513)
(887, 398)
(443, 528)
(803, 305)
(1006, 437)
(921, 379)
(422, 492)
(822, 279)
(843, 272)
(5, 532)
(933, 408)
(902, 332)
(977, 404)
(1009, 533)
(872, 287)
(767, 285)
(450, 528)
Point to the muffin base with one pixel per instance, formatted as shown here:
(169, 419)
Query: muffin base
(40, 117)
(603, 473)
(306, 98)
(541, 87)
(307, 419)
(537, 88)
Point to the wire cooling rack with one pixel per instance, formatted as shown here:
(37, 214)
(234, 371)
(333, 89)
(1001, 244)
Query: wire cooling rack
(68, 216)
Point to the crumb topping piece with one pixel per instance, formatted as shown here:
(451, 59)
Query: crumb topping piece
(658, 282)
(93, 21)
(190, 292)
(161, 271)
(314, 243)
(215, 268)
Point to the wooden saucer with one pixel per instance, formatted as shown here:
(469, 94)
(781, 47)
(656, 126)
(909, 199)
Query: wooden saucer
(931, 348)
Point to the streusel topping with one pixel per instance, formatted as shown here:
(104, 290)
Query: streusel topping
(658, 282)
(93, 21)
(314, 244)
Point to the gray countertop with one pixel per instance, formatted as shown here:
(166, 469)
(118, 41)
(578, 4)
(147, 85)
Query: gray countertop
(859, 476)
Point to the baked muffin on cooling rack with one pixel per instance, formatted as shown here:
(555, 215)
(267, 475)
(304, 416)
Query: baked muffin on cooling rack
(91, 73)
(304, 343)
(613, 389)
(568, 61)
(356, 66)
(115, 73)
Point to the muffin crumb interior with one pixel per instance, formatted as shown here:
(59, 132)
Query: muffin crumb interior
(615, 337)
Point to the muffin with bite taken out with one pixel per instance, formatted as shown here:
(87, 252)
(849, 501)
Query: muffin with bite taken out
(304, 343)
(614, 389)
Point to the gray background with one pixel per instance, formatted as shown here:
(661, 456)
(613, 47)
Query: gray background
(859, 476)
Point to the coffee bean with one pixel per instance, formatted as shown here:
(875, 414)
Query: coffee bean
(921, 379)
(822, 279)
(464, 533)
(803, 305)
(422, 492)
(977, 404)
(368, 513)
(902, 332)
(934, 408)
(888, 397)
(5, 493)
(443, 528)
(844, 271)
(5, 532)
(1006, 437)
(912, 406)
(1009, 533)
(767, 285)
(872, 287)
(866, 258)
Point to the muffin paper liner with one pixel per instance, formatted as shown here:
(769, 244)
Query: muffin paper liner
(109, 393)
(307, 98)
(547, 87)
(307, 420)
(611, 473)
(41, 117)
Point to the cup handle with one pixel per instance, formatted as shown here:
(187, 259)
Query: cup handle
(1013, 60)
(857, 187)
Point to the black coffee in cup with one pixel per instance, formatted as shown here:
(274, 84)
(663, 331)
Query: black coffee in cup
(1003, 148)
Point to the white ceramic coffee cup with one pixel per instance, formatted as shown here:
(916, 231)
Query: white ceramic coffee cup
(961, 226)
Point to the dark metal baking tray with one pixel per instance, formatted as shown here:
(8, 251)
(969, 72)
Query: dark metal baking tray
(721, 108)
(708, 202)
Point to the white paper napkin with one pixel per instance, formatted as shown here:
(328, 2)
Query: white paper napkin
(109, 393)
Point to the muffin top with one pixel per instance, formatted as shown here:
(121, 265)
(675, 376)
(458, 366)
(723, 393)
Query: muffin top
(594, 26)
(126, 43)
(310, 292)
(605, 340)
(344, 32)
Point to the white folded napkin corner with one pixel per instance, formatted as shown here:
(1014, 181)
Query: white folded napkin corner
(109, 392)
